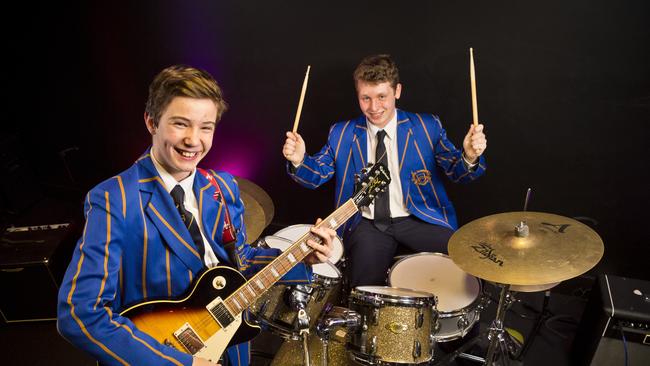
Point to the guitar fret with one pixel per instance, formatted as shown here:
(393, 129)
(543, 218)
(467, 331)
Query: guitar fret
(237, 303)
(250, 289)
(304, 247)
(259, 284)
(274, 271)
(291, 258)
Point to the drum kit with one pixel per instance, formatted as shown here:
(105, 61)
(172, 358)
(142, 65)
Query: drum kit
(430, 298)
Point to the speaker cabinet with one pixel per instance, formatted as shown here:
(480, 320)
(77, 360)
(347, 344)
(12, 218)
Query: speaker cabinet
(615, 324)
(32, 262)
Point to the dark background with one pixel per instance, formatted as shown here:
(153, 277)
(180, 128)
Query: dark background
(563, 90)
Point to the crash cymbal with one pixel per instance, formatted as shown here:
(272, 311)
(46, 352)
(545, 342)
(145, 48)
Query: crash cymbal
(555, 249)
(258, 208)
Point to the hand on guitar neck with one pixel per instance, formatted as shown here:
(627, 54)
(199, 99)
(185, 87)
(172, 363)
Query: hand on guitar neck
(322, 250)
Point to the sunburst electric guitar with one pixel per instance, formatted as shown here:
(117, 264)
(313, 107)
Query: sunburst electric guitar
(208, 318)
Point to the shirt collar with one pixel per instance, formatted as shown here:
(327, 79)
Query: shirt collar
(390, 128)
(169, 181)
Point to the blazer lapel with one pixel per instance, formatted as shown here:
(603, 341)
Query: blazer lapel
(404, 140)
(160, 209)
(211, 210)
(359, 144)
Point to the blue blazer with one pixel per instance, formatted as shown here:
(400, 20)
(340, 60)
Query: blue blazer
(135, 248)
(425, 155)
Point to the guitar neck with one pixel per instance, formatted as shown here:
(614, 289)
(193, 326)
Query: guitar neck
(246, 295)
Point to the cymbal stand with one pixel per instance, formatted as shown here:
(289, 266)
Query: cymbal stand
(541, 318)
(502, 346)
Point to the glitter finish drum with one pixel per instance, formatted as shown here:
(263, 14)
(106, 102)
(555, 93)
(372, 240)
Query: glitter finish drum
(396, 325)
(276, 310)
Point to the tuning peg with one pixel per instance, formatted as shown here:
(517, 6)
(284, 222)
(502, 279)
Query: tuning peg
(357, 178)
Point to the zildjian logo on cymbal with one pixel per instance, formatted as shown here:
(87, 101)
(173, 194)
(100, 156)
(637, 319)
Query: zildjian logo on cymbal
(486, 251)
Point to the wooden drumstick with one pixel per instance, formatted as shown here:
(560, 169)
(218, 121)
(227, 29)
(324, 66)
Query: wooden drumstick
(472, 76)
(302, 98)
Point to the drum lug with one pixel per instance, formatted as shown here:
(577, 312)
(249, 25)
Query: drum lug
(374, 318)
(417, 349)
(373, 345)
(419, 319)
(432, 343)
(463, 323)
(435, 324)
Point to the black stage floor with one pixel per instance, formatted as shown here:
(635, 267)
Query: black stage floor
(38, 343)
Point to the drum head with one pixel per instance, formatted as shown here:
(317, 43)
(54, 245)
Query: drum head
(295, 232)
(438, 274)
(322, 269)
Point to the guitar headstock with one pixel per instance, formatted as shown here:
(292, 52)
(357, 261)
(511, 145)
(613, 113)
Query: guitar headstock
(373, 180)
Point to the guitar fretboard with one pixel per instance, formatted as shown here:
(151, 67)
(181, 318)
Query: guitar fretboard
(246, 295)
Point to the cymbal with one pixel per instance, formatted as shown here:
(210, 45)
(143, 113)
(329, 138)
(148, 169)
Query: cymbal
(258, 208)
(556, 248)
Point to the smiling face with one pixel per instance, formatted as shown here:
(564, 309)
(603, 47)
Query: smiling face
(377, 101)
(183, 135)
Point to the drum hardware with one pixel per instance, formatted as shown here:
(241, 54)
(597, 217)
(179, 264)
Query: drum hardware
(334, 317)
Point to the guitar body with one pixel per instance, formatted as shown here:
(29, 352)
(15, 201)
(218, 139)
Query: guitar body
(187, 324)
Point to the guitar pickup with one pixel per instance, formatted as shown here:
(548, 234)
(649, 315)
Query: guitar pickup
(220, 313)
(189, 339)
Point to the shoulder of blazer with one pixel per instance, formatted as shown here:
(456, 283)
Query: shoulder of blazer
(227, 184)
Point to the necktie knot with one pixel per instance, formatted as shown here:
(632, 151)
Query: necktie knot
(380, 136)
(178, 195)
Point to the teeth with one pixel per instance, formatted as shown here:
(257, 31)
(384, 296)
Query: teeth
(188, 154)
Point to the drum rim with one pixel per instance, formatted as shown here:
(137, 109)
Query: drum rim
(275, 234)
(301, 225)
(358, 293)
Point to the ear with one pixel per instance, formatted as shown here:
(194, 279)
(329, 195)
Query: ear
(398, 90)
(148, 121)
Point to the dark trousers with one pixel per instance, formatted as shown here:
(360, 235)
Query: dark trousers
(370, 252)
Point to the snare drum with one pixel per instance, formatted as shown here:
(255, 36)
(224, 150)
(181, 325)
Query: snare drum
(396, 325)
(457, 292)
(273, 309)
(295, 232)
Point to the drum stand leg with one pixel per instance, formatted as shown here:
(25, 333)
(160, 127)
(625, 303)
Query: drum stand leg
(502, 347)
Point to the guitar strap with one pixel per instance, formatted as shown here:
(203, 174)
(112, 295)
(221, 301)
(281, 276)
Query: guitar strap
(228, 236)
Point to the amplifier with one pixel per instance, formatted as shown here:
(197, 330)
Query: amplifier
(615, 325)
(32, 262)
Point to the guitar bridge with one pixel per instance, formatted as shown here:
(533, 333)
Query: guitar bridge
(189, 339)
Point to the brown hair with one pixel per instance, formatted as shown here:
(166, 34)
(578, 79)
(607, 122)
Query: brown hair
(377, 69)
(182, 81)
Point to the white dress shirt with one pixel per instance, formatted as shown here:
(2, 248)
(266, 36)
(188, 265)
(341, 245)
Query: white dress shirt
(397, 208)
(191, 205)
